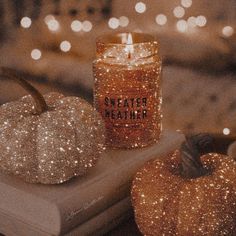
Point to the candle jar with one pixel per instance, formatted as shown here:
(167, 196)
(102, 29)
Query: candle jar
(127, 88)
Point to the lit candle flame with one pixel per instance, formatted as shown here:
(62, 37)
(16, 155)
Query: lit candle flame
(129, 45)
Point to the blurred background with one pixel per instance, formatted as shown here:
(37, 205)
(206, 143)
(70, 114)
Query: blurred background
(52, 44)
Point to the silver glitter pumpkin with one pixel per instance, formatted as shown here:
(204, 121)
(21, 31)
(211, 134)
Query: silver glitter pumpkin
(48, 139)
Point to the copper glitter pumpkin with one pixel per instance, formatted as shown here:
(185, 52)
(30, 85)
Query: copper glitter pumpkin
(195, 196)
(48, 139)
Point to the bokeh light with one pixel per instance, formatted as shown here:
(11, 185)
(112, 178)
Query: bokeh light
(140, 7)
(76, 26)
(53, 25)
(182, 26)
(178, 11)
(192, 21)
(161, 19)
(186, 3)
(87, 26)
(228, 31)
(65, 46)
(26, 22)
(201, 21)
(36, 54)
(226, 131)
(113, 23)
(123, 21)
(48, 18)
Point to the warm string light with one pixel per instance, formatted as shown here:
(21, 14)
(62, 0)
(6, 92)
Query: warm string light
(182, 26)
(76, 26)
(87, 26)
(179, 12)
(201, 21)
(26, 22)
(192, 21)
(52, 23)
(113, 23)
(161, 19)
(65, 46)
(227, 31)
(186, 3)
(226, 131)
(48, 18)
(140, 7)
(123, 21)
(36, 54)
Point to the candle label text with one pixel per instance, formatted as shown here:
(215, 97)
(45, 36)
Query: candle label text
(125, 108)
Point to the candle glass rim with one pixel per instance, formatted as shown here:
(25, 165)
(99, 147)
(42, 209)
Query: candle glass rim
(106, 39)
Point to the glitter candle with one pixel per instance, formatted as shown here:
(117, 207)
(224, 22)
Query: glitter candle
(127, 89)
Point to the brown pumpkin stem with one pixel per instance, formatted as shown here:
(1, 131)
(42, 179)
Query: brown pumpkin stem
(191, 151)
(40, 103)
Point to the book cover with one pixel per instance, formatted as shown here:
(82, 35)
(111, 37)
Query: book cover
(104, 221)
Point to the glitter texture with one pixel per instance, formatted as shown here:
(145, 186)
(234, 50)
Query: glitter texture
(167, 204)
(51, 147)
(127, 89)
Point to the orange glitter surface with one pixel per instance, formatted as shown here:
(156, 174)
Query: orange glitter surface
(127, 93)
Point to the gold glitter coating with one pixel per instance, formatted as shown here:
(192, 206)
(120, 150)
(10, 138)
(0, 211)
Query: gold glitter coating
(127, 91)
(167, 204)
(54, 146)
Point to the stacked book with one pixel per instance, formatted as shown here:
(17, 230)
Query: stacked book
(89, 205)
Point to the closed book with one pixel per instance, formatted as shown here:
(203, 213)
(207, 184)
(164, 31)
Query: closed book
(104, 221)
(56, 209)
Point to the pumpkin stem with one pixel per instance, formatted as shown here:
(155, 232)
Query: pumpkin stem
(191, 151)
(40, 103)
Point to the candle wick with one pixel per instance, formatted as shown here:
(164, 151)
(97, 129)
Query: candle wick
(129, 44)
